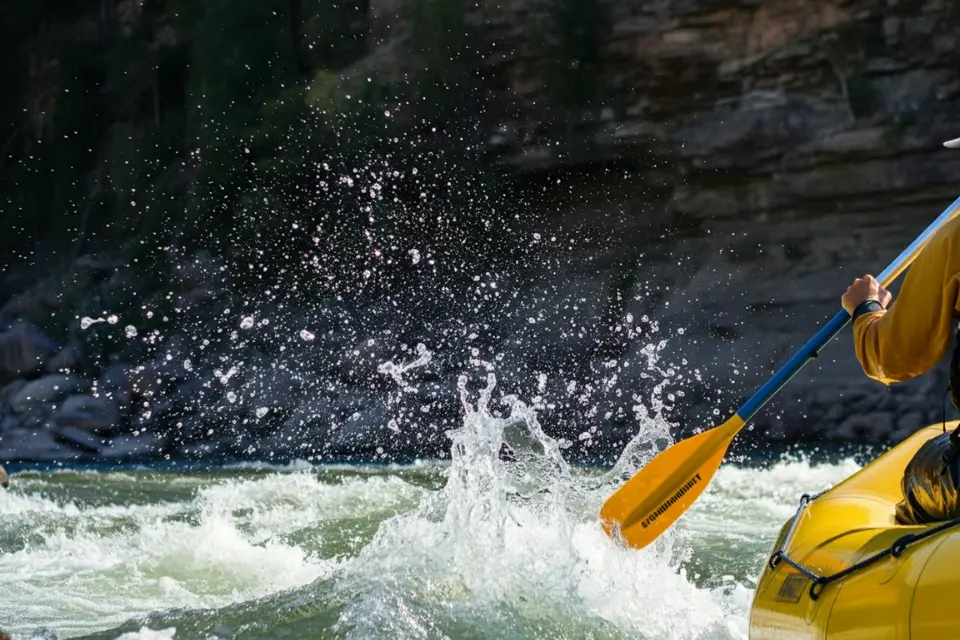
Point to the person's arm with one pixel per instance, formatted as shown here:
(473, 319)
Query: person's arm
(909, 338)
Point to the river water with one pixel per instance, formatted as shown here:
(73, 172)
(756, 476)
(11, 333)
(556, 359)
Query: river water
(499, 541)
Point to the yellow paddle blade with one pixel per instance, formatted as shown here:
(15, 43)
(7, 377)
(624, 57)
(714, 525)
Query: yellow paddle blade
(652, 500)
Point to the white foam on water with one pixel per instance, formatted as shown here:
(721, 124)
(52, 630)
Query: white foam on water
(516, 536)
(145, 633)
(99, 566)
(79, 584)
(13, 503)
(510, 546)
(743, 501)
(280, 504)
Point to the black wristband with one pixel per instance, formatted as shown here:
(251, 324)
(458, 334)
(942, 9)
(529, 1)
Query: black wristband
(867, 306)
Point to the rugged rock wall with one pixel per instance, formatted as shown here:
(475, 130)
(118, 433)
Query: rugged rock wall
(772, 152)
(720, 167)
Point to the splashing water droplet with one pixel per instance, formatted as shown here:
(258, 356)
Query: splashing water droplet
(246, 323)
(113, 319)
(130, 331)
(306, 336)
(396, 371)
(262, 411)
(232, 397)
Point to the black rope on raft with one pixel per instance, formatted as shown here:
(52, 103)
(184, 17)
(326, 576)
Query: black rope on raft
(819, 582)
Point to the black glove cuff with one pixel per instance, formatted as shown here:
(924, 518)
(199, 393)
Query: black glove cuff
(867, 306)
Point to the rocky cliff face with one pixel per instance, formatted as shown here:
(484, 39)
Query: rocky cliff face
(707, 177)
(766, 153)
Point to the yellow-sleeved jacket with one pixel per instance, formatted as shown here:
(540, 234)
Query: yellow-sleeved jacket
(914, 333)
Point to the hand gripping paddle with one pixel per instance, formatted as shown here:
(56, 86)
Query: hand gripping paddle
(652, 500)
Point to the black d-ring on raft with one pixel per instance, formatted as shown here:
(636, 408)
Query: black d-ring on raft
(900, 545)
(816, 589)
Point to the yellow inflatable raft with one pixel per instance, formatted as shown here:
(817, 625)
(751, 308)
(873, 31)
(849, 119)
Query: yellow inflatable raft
(842, 568)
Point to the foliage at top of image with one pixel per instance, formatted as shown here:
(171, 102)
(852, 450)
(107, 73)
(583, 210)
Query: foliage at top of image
(139, 120)
(215, 122)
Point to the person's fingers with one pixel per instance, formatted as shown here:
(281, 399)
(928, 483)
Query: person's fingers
(865, 288)
(885, 298)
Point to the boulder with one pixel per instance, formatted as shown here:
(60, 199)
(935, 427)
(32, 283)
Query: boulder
(49, 389)
(78, 439)
(123, 399)
(9, 423)
(23, 350)
(131, 446)
(156, 376)
(33, 445)
(64, 360)
(36, 418)
(9, 391)
(98, 414)
(117, 376)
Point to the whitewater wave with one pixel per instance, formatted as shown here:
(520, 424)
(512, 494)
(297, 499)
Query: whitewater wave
(502, 540)
(519, 539)
(77, 568)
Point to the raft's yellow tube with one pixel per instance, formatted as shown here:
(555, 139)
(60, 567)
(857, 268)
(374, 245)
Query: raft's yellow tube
(915, 596)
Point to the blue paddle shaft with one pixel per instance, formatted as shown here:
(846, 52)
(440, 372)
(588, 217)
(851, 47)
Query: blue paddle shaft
(838, 322)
